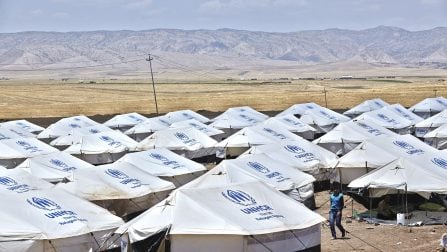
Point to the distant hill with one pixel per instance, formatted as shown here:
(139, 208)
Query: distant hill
(217, 50)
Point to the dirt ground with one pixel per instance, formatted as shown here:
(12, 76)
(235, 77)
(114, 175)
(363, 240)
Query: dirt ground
(363, 236)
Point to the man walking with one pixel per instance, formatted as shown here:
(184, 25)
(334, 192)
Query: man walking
(335, 213)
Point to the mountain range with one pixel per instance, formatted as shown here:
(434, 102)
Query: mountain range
(226, 51)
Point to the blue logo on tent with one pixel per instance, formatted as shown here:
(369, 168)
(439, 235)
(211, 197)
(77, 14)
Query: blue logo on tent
(116, 174)
(182, 136)
(247, 118)
(410, 149)
(294, 149)
(275, 134)
(110, 141)
(288, 120)
(239, 197)
(309, 106)
(174, 164)
(3, 137)
(74, 125)
(23, 125)
(27, 146)
(441, 102)
(164, 122)
(387, 119)
(187, 115)
(7, 181)
(258, 167)
(43, 203)
(94, 131)
(61, 164)
(378, 103)
(330, 117)
(440, 162)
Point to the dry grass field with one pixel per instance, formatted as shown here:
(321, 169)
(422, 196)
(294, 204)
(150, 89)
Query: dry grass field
(52, 98)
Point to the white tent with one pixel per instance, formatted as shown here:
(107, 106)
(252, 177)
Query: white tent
(366, 106)
(187, 114)
(292, 124)
(125, 121)
(65, 125)
(13, 133)
(75, 135)
(53, 167)
(431, 123)
(208, 130)
(293, 182)
(20, 181)
(361, 160)
(235, 217)
(23, 125)
(237, 118)
(261, 134)
(437, 138)
(47, 220)
(165, 164)
(147, 127)
(389, 119)
(300, 154)
(323, 119)
(103, 147)
(346, 136)
(406, 146)
(429, 107)
(405, 113)
(121, 188)
(299, 109)
(188, 142)
(15, 151)
(405, 175)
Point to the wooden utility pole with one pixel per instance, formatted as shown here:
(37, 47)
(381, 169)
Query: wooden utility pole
(149, 58)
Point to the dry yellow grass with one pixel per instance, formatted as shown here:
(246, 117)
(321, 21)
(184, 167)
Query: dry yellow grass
(31, 99)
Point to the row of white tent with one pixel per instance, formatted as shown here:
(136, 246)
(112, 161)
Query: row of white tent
(229, 197)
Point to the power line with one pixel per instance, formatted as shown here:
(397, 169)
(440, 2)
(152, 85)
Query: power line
(69, 68)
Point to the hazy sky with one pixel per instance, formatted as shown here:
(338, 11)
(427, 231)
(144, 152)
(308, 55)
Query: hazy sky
(260, 15)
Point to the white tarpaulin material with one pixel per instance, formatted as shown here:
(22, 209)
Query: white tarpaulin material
(437, 138)
(189, 142)
(183, 115)
(22, 124)
(233, 212)
(166, 164)
(404, 174)
(20, 181)
(52, 220)
(388, 118)
(431, 123)
(15, 151)
(54, 167)
(300, 154)
(65, 126)
(210, 131)
(125, 120)
(75, 135)
(322, 119)
(103, 147)
(366, 106)
(292, 124)
(122, 188)
(429, 106)
(13, 133)
(149, 126)
(247, 137)
(405, 113)
(238, 118)
(346, 136)
(361, 160)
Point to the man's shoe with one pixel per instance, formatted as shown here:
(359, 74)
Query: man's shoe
(343, 233)
(334, 238)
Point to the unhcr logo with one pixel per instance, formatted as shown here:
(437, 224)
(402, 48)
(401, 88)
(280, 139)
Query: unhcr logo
(135, 118)
(409, 149)
(61, 164)
(440, 162)
(7, 181)
(187, 115)
(27, 146)
(239, 197)
(94, 131)
(258, 167)
(110, 141)
(125, 179)
(182, 136)
(3, 137)
(294, 149)
(43, 203)
(74, 125)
